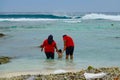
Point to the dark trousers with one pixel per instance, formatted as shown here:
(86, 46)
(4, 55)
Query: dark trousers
(49, 55)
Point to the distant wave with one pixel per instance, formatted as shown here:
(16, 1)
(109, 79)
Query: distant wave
(68, 19)
(46, 16)
(25, 19)
(101, 16)
(31, 17)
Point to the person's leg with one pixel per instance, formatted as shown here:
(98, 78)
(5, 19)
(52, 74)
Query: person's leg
(47, 55)
(71, 50)
(52, 55)
(67, 56)
(67, 52)
(71, 56)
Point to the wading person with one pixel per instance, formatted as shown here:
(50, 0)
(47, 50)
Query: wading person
(49, 46)
(68, 46)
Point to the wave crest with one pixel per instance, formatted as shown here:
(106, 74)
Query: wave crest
(31, 17)
(46, 16)
(101, 16)
(25, 19)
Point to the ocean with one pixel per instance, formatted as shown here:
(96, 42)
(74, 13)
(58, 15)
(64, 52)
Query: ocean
(96, 37)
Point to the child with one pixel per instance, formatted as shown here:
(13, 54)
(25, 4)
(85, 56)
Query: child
(59, 53)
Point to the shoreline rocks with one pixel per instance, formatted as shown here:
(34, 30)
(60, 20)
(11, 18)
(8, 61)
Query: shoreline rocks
(4, 59)
(113, 73)
(1, 34)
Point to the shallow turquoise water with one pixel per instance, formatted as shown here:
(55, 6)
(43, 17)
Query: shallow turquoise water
(96, 43)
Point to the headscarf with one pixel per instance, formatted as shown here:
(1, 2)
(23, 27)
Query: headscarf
(50, 39)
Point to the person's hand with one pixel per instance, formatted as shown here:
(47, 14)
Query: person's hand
(64, 49)
(41, 49)
(56, 50)
(41, 46)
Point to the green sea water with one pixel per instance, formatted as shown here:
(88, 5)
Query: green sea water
(96, 42)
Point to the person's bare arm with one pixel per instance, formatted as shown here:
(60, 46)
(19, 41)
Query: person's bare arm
(56, 48)
(64, 46)
(41, 46)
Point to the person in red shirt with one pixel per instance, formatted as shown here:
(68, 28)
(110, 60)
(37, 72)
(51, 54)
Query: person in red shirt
(68, 46)
(49, 46)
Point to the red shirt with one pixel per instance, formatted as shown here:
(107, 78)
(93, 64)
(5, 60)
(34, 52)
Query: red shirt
(69, 41)
(49, 47)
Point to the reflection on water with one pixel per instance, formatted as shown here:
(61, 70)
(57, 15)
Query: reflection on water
(58, 64)
(70, 64)
(49, 64)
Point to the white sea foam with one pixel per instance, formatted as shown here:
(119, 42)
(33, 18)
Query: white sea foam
(25, 19)
(101, 16)
(59, 71)
(73, 21)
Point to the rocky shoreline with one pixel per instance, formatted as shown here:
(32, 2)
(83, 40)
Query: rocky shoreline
(1, 34)
(4, 59)
(112, 73)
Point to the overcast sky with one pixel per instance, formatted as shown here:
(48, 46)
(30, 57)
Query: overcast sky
(59, 5)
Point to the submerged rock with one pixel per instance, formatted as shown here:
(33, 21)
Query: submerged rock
(4, 59)
(1, 34)
(117, 37)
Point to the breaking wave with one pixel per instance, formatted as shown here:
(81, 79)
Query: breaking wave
(101, 16)
(30, 17)
(25, 19)
(67, 18)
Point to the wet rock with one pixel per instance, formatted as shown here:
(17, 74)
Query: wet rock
(117, 37)
(1, 34)
(4, 59)
(113, 73)
(90, 67)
